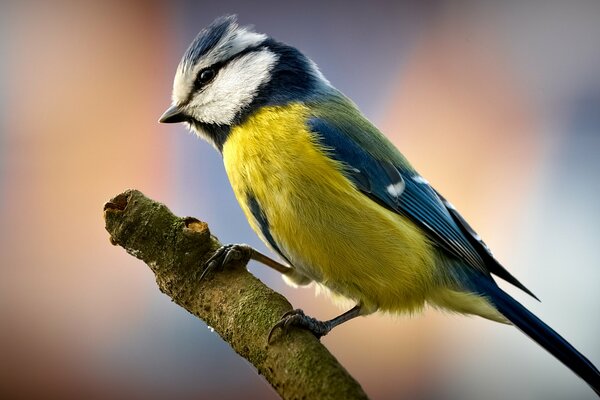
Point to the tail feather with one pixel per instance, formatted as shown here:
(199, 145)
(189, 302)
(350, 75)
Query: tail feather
(541, 333)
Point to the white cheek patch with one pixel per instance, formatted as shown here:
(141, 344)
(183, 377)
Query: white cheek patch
(234, 87)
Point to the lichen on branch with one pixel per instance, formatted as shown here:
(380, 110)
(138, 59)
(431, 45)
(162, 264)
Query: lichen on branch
(239, 307)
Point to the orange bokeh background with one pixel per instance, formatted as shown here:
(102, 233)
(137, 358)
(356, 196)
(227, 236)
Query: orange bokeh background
(496, 104)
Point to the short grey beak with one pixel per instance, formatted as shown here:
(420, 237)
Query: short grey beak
(173, 115)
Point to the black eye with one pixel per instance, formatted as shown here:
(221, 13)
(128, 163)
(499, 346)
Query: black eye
(205, 76)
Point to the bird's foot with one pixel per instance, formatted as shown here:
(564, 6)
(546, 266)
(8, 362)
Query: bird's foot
(227, 254)
(299, 319)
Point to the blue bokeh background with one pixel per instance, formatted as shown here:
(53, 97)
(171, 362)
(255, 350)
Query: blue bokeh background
(496, 103)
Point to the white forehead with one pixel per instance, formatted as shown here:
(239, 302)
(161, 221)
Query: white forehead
(233, 41)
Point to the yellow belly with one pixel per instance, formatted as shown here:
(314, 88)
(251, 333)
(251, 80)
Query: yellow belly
(329, 231)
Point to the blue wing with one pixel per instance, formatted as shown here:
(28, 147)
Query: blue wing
(402, 190)
(263, 224)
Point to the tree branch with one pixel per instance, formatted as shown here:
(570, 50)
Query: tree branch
(238, 306)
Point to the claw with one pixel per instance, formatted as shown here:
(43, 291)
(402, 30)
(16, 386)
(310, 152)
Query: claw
(301, 320)
(225, 255)
(279, 324)
(292, 312)
(284, 322)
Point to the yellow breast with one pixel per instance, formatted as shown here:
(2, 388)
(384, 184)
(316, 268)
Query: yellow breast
(328, 230)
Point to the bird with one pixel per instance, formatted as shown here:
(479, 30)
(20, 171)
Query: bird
(333, 197)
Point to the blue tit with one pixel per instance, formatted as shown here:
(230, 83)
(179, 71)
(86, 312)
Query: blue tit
(332, 196)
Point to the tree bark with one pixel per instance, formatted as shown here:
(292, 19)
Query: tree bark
(239, 307)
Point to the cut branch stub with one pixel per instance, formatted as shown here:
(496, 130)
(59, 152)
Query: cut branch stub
(238, 306)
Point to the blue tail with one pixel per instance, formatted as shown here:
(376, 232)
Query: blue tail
(537, 330)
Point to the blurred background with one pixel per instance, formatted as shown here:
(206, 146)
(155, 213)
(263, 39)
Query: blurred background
(496, 103)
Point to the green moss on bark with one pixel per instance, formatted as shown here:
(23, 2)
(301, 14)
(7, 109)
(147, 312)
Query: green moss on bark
(238, 306)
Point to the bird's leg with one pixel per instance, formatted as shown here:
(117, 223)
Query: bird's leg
(318, 328)
(242, 253)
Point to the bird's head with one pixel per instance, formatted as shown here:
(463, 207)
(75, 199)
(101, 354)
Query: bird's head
(229, 72)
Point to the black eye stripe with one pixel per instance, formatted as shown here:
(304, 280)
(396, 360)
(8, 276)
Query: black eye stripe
(199, 83)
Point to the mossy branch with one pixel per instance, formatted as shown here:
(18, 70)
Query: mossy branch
(238, 306)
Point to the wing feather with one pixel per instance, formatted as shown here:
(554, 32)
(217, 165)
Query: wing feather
(400, 189)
